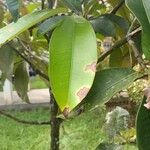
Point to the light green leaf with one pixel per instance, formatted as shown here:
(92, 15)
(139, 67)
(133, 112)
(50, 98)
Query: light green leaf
(50, 24)
(21, 80)
(73, 57)
(143, 127)
(6, 60)
(12, 30)
(136, 6)
(14, 6)
(109, 82)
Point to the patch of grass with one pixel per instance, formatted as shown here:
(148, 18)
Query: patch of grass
(37, 83)
(81, 133)
(15, 136)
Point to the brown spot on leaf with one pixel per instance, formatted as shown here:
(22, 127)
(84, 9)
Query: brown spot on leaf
(91, 67)
(66, 112)
(82, 93)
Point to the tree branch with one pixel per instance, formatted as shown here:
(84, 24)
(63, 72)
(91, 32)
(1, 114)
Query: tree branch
(134, 47)
(24, 121)
(117, 7)
(118, 44)
(30, 62)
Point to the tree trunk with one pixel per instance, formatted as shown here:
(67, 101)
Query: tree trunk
(55, 124)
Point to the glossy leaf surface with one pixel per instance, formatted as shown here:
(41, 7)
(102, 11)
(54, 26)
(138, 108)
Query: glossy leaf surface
(73, 57)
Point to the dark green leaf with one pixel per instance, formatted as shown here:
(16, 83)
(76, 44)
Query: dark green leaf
(119, 21)
(109, 82)
(143, 127)
(14, 6)
(21, 80)
(147, 6)
(73, 57)
(50, 24)
(136, 6)
(74, 5)
(104, 26)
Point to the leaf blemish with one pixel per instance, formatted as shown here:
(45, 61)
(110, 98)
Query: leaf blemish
(66, 112)
(82, 93)
(91, 67)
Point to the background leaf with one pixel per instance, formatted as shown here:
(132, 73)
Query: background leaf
(74, 5)
(147, 6)
(109, 82)
(136, 6)
(14, 6)
(143, 127)
(73, 56)
(6, 60)
(104, 26)
(50, 24)
(21, 80)
(12, 30)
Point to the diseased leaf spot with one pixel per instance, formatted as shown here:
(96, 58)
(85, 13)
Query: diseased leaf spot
(66, 112)
(91, 67)
(82, 93)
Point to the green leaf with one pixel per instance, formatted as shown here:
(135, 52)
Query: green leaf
(147, 6)
(21, 80)
(104, 26)
(74, 5)
(143, 127)
(136, 6)
(50, 24)
(14, 6)
(6, 60)
(109, 82)
(109, 146)
(73, 57)
(12, 30)
(119, 21)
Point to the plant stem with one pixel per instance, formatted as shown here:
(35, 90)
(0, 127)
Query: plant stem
(117, 7)
(55, 124)
(118, 44)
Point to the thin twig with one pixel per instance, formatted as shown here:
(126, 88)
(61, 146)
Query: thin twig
(30, 63)
(24, 121)
(118, 44)
(133, 46)
(117, 7)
